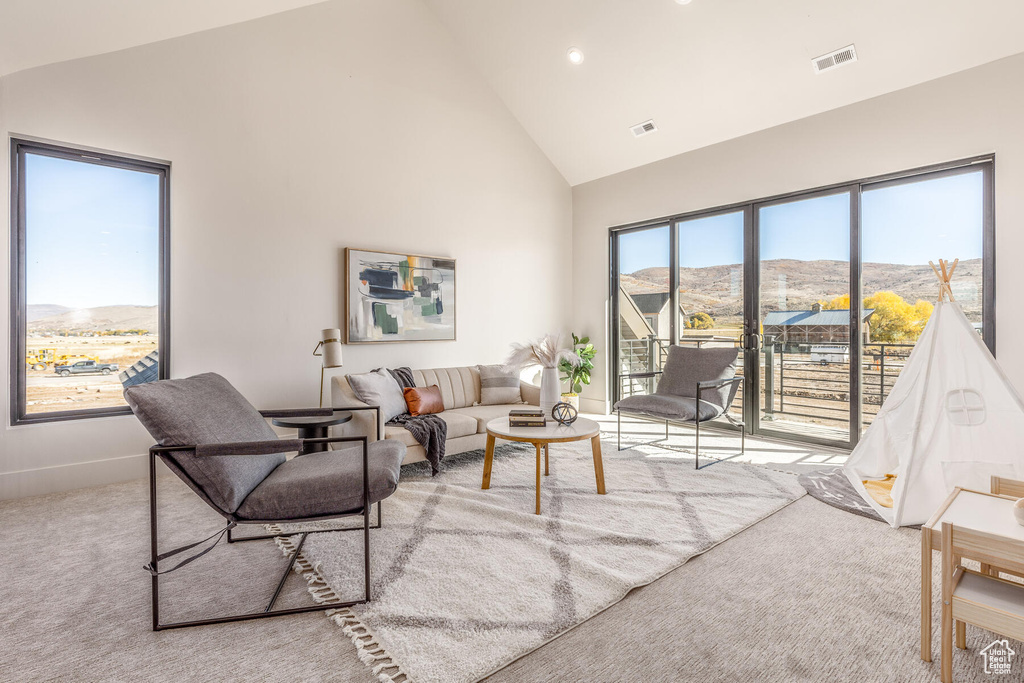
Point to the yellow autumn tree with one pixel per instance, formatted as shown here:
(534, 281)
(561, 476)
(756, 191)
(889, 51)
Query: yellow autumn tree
(840, 303)
(896, 320)
(893, 320)
(700, 321)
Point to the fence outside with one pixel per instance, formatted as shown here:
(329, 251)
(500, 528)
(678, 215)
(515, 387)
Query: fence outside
(797, 389)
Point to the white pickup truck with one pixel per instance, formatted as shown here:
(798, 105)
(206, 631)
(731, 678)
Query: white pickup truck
(85, 367)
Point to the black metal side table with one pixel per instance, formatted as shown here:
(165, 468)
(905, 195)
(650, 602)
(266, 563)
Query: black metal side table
(313, 428)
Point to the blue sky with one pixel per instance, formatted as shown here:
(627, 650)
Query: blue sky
(904, 224)
(92, 234)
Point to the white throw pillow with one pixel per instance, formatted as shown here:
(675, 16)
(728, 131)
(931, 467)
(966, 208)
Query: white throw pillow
(379, 389)
(498, 385)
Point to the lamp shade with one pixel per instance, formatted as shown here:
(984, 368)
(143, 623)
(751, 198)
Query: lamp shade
(330, 342)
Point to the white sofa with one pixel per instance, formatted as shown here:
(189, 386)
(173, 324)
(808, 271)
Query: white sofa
(460, 389)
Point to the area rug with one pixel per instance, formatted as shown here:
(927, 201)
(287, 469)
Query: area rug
(832, 487)
(466, 580)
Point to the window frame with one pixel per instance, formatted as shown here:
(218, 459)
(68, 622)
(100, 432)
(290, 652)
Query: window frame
(20, 146)
(751, 286)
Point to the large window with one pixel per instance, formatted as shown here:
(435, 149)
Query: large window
(825, 291)
(89, 294)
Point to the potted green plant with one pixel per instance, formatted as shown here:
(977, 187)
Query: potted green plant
(578, 374)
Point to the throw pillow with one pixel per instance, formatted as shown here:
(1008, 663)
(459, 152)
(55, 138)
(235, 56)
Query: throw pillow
(402, 375)
(498, 385)
(379, 389)
(424, 400)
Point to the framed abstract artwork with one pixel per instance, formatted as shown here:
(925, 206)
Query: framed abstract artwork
(393, 297)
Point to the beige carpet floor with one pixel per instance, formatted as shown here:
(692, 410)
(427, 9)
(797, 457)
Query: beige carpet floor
(809, 594)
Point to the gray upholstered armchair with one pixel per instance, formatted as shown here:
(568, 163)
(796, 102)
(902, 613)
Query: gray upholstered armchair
(224, 450)
(696, 385)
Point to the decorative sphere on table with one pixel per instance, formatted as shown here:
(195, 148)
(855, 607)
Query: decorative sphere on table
(564, 413)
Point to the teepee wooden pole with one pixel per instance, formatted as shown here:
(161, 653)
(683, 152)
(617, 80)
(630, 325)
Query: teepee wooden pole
(945, 291)
(952, 268)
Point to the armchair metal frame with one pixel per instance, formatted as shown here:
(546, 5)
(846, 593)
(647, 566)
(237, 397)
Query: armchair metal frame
(701, 387)
(254, 448)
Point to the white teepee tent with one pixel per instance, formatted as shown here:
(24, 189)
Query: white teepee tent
(952, 419)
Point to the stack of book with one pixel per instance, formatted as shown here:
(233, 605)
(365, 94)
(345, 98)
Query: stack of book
(526, 417)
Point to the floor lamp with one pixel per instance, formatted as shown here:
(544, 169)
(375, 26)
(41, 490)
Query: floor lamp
(328, 349)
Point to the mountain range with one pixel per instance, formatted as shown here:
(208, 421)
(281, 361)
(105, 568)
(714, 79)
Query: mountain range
(99, 319)
(39, 311)
(796, 285)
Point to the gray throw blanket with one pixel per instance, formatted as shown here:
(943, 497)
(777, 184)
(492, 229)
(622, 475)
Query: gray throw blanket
(429, 430)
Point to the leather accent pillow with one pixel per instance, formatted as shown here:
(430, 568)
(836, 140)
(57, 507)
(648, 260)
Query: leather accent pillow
(424, 400)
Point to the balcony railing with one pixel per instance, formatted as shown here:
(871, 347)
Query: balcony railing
(799, 387)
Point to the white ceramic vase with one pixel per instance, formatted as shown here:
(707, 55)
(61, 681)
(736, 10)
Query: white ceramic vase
(549, 390)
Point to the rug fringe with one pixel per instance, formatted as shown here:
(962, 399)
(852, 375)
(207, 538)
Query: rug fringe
(287, 546)
(368, 648)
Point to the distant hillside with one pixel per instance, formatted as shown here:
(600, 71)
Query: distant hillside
(98, 319)
(38, 311)
(718, 289)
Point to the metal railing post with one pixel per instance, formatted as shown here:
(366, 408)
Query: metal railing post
(650, 354)
(881, 381)
(769, 379)
(782, 378)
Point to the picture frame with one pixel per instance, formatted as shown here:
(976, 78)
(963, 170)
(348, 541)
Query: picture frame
(391, 296)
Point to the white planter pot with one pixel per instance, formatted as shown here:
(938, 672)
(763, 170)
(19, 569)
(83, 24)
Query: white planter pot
(549, 390)
(572, 399)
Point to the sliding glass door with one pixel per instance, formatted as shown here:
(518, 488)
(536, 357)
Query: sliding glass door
(825, 292)
(907, 223)
(803, 314)
(710, 266)
(644, 321)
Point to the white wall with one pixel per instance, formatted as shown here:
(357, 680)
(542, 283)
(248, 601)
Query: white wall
(966, 114)
(351, 123)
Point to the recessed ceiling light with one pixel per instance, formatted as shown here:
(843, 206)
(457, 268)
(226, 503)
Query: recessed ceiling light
(683, 2)
(575, 55)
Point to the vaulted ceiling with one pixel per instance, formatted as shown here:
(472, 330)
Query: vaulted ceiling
(37, 32)
(705, 71)
(710, 70)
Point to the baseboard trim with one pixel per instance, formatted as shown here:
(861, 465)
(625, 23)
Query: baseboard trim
(57, 478)
(594, 405)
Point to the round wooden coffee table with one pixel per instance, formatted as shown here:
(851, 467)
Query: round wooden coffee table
(541, 437)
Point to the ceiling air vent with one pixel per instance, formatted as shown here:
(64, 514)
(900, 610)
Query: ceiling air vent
(645, 128)
(834, 60)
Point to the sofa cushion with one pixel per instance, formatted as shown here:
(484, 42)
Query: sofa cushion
(679, 408)
(458, 423)
(460, 387)
(400, 434)
(484, 414)
(324, 484)
(206, 409)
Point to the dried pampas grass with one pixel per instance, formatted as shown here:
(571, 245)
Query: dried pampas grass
(544, 352)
